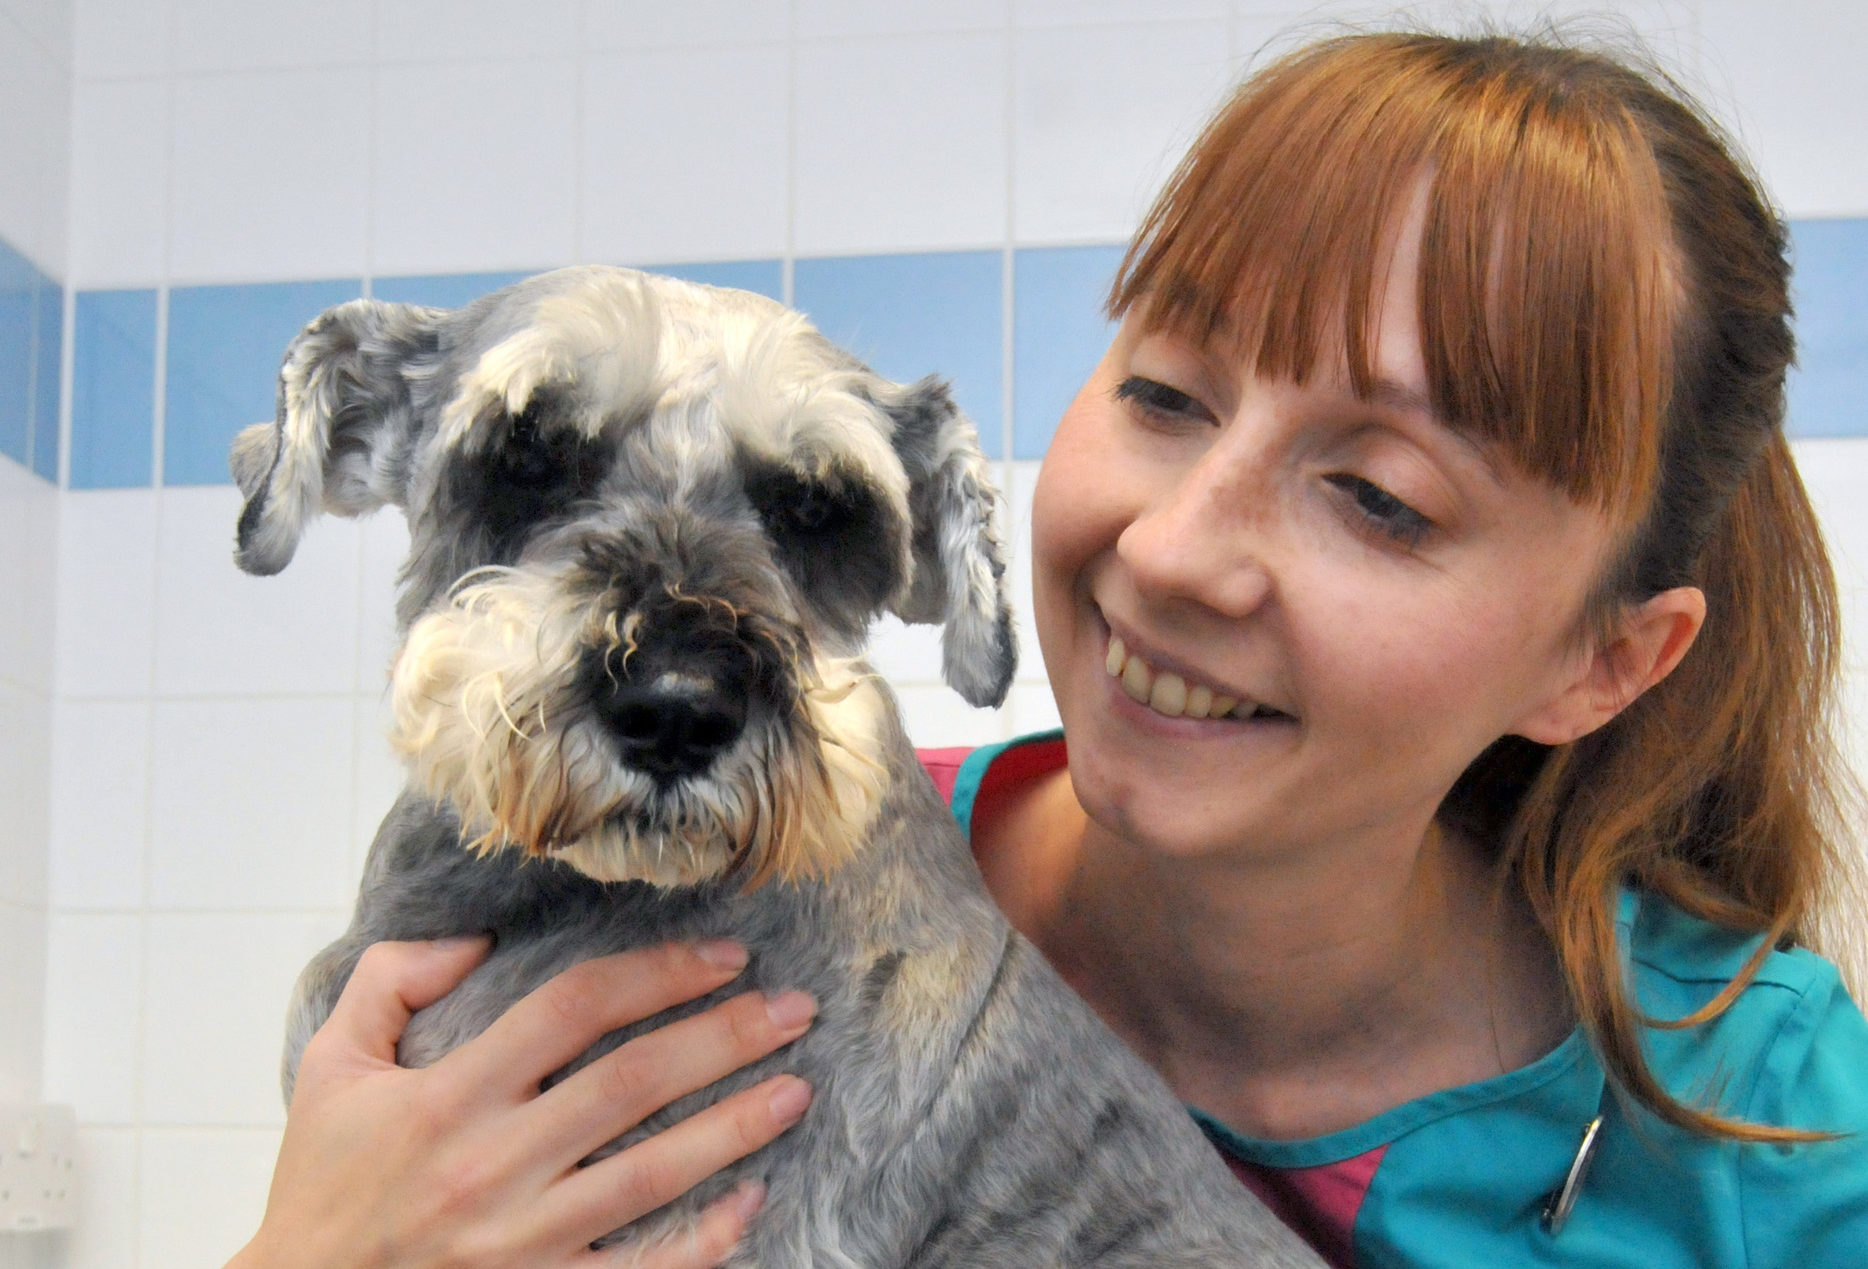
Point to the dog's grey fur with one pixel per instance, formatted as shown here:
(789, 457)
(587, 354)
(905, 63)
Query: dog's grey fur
(605, 470)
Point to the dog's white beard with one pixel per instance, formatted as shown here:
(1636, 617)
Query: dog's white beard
(483, 701)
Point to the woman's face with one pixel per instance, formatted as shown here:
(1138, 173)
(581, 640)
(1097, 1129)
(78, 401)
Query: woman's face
(1382, 598)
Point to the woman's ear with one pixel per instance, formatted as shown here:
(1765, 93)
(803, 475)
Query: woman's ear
(1649, 639)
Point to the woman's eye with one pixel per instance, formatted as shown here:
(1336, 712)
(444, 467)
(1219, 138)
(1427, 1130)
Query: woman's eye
(1155, 397)
(1383, 511)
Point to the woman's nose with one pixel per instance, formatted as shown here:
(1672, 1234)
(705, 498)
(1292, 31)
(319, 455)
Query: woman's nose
(1203, 537)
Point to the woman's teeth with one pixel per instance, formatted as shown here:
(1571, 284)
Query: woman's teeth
(1169, 694)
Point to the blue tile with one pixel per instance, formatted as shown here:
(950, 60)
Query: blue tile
(1058, 334)
(18, 282)
(225, 345)
(1828, 391)
(441, 290)
(50, 344)
(912, 315)
(767, 277)
(113, 389)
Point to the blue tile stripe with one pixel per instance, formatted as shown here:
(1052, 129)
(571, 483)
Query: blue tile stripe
(32, 310)
(918, 314)
(1828, 389)
(909, 314)
(113, 390)
(225, 344)
(1058, 334)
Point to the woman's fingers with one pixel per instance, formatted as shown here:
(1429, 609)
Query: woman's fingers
(624, 1087)
(703, 1245)
(614, 1191)
(566, 1015)
(392, 981)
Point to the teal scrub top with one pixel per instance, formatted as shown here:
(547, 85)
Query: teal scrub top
(1462, 1177)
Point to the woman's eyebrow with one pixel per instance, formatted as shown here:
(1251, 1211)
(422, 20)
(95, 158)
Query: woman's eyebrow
(1398, 396)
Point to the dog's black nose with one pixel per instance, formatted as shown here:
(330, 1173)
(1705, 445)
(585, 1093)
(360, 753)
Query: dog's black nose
(673, 726)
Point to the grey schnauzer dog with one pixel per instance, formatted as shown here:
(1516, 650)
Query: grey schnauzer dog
(651, 523)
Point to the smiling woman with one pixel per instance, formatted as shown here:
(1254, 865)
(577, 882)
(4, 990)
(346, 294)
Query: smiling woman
(1445, 649)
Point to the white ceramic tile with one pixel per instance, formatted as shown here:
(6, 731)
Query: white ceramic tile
(1077, 12)
(28, 572)
(379, 779)
(1024, 477)
(119, 182)
(203, 1193)
(35, 134)
(239, 35)
(107, 591)
(93, 993)
(474, 167)
(684, 155)
(104, 1236)
(99, 803)
(112, 38)
(936, 718)
(385, 546)
(25, 765)
(1836, 474)
(22, 1001)
(214, 1003)
(436, 30)
(610, 25)
(250, 804)
(1031, 708)
(270, 175)
(1667, 29)
(901, 144)
(1102, 116)
(820, 19)
(47, 23)
(219, 631)
(1795, 83)
(906, 655)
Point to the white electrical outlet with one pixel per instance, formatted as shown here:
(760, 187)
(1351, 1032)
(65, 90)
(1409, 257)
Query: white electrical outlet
(38, 1167)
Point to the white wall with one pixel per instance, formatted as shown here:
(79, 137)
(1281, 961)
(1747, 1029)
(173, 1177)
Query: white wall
(215, 764)
(35, 96)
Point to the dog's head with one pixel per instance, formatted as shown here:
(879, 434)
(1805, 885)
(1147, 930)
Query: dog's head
(651, 523)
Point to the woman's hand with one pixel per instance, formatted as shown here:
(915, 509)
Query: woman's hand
(466, 1163)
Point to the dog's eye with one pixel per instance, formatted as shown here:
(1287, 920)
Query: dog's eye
(527, 458)
(812, 510)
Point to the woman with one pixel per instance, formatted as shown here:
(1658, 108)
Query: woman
(1444, 643)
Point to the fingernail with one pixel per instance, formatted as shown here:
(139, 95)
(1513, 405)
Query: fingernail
(791, 1010)
(748, 1199)
(721, 953)
(790, 1099)
(456, 942)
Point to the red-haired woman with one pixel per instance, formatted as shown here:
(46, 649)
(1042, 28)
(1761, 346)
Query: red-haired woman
(1445, 646)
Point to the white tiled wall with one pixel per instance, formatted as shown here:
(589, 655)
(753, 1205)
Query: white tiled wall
(35, 115)
(211, 742)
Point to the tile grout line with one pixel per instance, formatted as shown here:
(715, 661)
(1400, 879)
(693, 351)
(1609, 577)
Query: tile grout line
(1008, 316)
(787, 270)
(580, 83)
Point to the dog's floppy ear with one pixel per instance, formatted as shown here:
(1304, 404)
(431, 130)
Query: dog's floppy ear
(959, 555)
(343, 429)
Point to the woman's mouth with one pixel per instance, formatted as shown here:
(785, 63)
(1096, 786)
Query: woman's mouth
(1172, 696)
